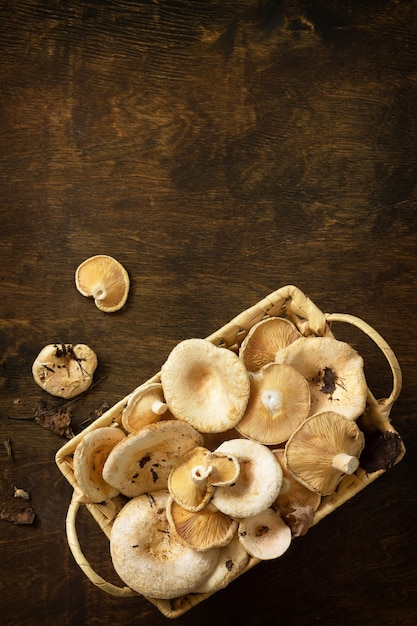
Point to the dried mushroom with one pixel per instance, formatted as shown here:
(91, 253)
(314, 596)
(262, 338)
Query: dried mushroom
(205, 385)
(146, 405)
(279, 401)
(104, 279)
(265, 535)
(265, 340)
(65, 370)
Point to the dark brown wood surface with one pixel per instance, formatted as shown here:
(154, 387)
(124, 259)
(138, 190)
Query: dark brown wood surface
(219, 150)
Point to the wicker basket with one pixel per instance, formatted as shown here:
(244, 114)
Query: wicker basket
(287, 302)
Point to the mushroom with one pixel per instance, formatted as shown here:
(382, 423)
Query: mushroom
(143, 461)
(258, 483)
(334, 371)
(65, 370)
(205, 385)
(295, 502)
(265, 535)
(264, 341)
(279, 401)
(149, 557)
(231, 561)
(203, 529)
(188, 480)
(322, 449)
(89, 458)
(104, 279)
(146, 405)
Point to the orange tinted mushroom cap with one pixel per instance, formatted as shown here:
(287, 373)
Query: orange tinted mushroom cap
(104, 279)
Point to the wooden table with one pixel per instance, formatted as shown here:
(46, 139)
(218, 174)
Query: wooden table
(219, 150)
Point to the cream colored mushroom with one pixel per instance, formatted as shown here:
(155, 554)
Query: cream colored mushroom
(265, 535)
(205, 385)
(146, 405)
(89, 458)
(279, 401)
(265, 340)
(143, 461)
(231, 562)
(203, 529)
(258, 483)
(65, 370)
(104, 279)
(324, 448)
(149, 557)
(334, 371)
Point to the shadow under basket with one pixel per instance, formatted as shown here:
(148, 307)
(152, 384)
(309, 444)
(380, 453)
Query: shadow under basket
(288, 302)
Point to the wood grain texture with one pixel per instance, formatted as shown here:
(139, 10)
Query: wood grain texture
(219, 150)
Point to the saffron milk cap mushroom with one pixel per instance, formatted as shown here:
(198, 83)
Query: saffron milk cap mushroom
(104, 279)
(279, 401)
(205, 385)
(146, 405)
(334, 371)
(149, 557)
(89, 458)
(143, 461)
(258, 483)
(322, 449)
(265, 535)
(231, 561)
(265, 340)
(65, 370)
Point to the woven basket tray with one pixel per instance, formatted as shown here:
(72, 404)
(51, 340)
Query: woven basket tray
(287, 302)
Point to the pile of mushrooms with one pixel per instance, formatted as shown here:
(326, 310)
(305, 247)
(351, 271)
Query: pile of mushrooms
(227, 458)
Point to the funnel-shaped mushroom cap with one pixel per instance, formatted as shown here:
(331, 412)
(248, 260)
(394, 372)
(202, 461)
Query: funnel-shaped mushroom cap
(264, 341)
(143, 461)
(201, 530)
(258, 483)
(104, 279)
(149, 557)
(65, 370)
(204, 385)
(188, 481)
(89, 458)
(232, 559)
(265, 535)
(279, 400)
(334, 371)
(324, 448)
(146, 405)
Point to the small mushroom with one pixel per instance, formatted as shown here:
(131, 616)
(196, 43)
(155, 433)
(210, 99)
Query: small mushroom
(322, 449)
(146, 405)
(258, 483)
(149, 557)
(104, 279)
(203, 529)
(279, 401)
(205, 385)
(143, 461)
(89, 458)
(65, 370)
(334, 371)
(264, 341)
(265, 535)
(232, 560)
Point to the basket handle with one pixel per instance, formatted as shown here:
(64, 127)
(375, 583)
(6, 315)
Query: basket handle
(74, 544)
(377, 411)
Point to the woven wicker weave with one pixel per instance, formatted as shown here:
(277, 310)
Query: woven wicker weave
(288, 302)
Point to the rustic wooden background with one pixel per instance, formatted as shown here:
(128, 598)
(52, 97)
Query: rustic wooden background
(219, 149)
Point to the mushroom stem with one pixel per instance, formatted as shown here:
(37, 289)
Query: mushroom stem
(99, 292)
(158, 407)
(200, 473)
(345, 463)
(272, 400)
(285, 487)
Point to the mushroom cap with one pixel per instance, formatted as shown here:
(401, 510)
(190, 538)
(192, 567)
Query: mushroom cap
(89, 458)
(205, 385)
(258, 483)
(146, 405)
(264, 341)
(143, 461)
(279, 401)
(265, 535)
(104, 279)
(231, 561)
(311, 451)
(203, 529)
(188, 481)
(334, 371)
(148, 556)
(65, 370)
(225, 468)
